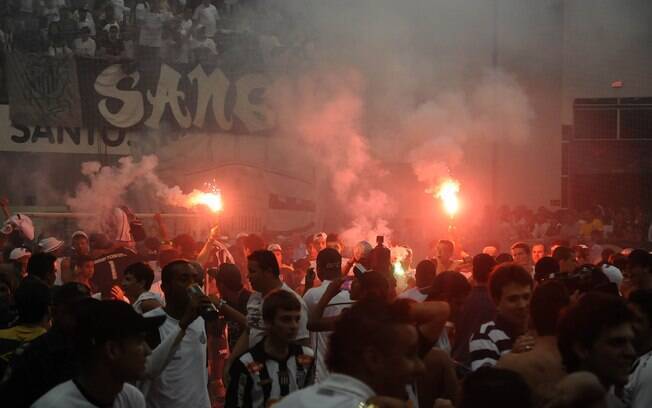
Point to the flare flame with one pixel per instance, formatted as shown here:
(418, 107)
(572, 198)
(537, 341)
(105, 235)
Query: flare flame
(447, 192)
(211, 199)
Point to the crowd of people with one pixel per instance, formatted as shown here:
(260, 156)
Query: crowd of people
(177, 31)
(117, 318)
(619, 225)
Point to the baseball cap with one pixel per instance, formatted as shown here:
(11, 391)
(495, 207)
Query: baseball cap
(319, 237)
(112, 320)
(613, 273)
(18, 253)
(274, 247)
(79, 234)
(329, 259)
(50, 244)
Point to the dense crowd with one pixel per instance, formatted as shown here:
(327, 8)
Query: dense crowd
(118, 318)
(177, 31)
(610, 224)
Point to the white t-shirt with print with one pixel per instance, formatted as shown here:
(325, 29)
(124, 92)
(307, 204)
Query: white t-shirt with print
(183, 381)
(337, 391)
(255, 317)
(68, 395)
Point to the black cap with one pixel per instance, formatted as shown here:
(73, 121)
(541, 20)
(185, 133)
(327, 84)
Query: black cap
(112, 320)
(329, 259)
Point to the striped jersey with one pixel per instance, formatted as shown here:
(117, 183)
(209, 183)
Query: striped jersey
(258, 380)
(494, 339)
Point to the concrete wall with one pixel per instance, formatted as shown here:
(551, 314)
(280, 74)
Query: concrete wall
(605, 41)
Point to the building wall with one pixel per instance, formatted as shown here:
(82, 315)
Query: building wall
(606, 41)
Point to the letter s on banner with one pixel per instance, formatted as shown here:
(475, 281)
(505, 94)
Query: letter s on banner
(132, 110)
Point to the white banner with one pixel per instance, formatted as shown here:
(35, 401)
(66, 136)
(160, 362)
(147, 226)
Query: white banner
(60, 140)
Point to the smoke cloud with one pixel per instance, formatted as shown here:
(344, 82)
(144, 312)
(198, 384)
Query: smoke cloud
(384, 84)
(106, 188)
(437, 131)
(381, 82)
(321, 116)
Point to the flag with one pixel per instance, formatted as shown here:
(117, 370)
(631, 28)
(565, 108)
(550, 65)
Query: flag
(43, 90)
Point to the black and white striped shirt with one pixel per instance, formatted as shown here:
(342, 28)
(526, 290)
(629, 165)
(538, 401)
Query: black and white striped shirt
(257, 379)
(492, 341)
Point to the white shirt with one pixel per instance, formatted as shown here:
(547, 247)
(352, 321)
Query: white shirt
(68, 395)
(336, 391)
(613, 274)
(143, 297)
(119, 9)
(414, 294)
(85, 48)
(319, 340)
(151, 28)
(255, 317)
(183, 381)
(638, 392)
(207, 16)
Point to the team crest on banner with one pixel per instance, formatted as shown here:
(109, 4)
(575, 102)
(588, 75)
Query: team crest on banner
(43, 90)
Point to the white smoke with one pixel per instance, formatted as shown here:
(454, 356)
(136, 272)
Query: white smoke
(438, 130)
(321, 117)
(106, 187)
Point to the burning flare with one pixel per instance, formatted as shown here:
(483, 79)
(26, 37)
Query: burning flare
(398, 269)
(447, 193)
(211, 199)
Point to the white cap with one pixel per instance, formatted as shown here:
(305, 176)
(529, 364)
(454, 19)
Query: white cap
(50, 244)
(18, 253)
(79, 234)
(614, 274)
(274, 247)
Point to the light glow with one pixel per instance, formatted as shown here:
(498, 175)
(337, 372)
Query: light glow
(398, 268)
(212, 199)
(448, 192)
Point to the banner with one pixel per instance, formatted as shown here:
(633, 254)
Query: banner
(93, 93)
(43, 90)
(159, 95)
